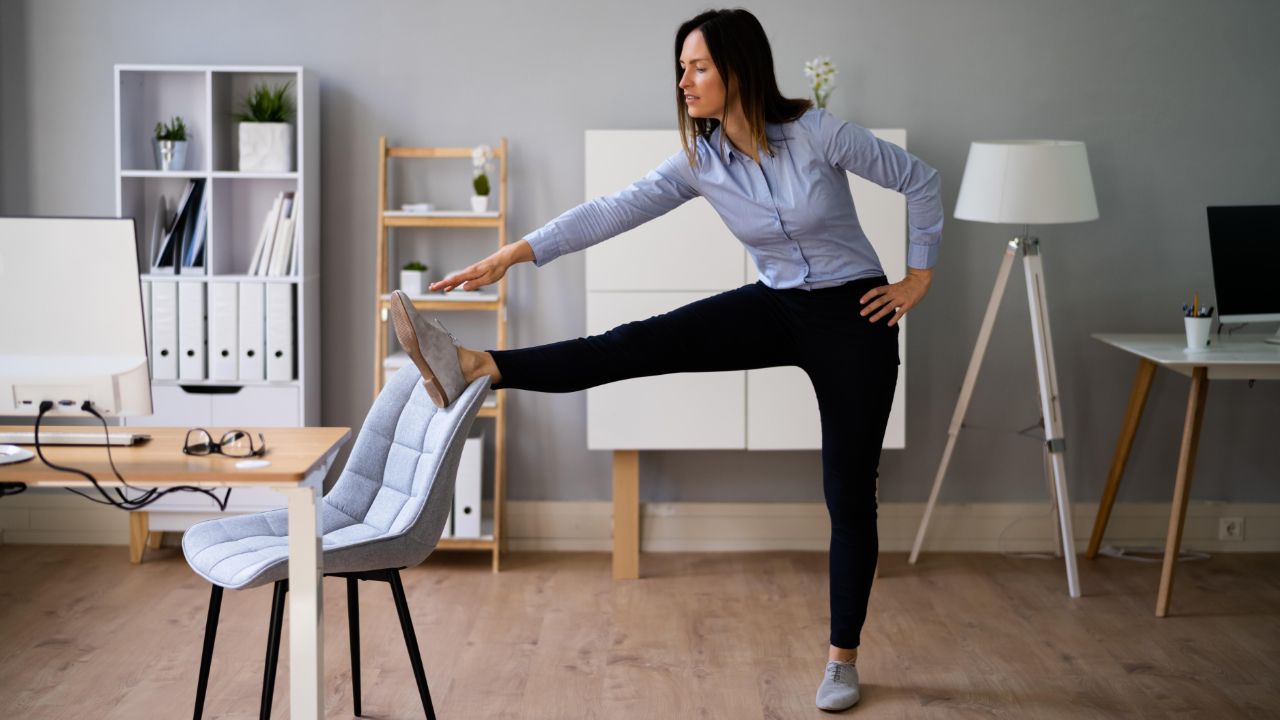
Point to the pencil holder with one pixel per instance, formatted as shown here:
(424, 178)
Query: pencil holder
(1198, 332)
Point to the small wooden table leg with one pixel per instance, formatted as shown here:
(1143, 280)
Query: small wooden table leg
(626, 514)
(1137, 400)
(138, 523)
(1182, 487)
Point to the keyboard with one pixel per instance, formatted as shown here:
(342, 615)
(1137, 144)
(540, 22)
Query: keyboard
(63, 437)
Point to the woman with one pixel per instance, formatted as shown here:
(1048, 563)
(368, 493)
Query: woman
(775, 170)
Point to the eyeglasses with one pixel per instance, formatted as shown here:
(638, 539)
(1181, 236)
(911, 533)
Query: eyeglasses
(235, 443)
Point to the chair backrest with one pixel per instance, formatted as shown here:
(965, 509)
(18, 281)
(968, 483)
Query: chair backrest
(400, 476)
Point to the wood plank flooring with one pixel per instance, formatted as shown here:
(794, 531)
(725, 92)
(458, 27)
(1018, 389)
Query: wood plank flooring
(83, 634)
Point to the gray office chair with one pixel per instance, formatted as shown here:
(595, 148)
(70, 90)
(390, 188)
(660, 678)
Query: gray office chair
(386, 512)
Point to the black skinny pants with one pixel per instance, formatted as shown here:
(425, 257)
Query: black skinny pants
(852, 363)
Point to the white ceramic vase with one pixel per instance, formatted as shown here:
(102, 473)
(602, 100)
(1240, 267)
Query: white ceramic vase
(266, 147)
(413, 282)
(479, 203)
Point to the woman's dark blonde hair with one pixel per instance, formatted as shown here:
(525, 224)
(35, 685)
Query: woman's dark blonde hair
(740, 51)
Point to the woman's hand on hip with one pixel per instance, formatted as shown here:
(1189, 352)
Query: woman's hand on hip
(897, 298)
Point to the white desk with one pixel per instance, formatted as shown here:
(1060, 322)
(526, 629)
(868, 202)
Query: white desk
(1225, 360)
(300, 459)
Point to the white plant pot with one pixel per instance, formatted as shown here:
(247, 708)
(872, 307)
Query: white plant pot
(413, 282)
(479, 203)
(266, 147)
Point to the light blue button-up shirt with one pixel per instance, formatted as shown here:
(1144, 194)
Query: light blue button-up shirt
(793, 211)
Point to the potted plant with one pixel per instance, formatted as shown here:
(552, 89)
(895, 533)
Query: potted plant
(821, 73)
(413, 278)
(170, 145)
(266, 137)
(481, 165)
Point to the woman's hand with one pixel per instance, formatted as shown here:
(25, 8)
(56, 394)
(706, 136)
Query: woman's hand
(486, 272)
(897, 298)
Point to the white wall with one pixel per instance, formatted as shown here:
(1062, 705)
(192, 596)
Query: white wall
(1176, 101)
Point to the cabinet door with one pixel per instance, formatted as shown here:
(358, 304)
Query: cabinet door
(257, 407)
(681, 411)
(782, 410)
(174, 407)
(688, 249)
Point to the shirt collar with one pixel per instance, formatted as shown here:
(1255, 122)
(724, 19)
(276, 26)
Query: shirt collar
(776, 133)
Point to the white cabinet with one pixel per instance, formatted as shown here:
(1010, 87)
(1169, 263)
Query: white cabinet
(634, 276)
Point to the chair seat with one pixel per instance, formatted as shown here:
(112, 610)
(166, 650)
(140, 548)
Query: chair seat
(252, 550)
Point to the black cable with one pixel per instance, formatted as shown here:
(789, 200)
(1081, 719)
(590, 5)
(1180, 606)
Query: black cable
(125, 503)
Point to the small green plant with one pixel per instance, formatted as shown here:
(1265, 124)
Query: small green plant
(175, 130)
(266, 105)
(481, 184)
(415, 265)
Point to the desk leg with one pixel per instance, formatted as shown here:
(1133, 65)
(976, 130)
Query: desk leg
(626, 514)
(306, 610)
(139, 524)
(1182, 487)
(1132, 416)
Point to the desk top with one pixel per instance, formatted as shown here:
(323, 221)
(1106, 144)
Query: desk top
(159, 462)
(1227, 358)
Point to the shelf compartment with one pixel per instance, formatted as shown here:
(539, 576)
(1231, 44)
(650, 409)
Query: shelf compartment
(239, 209)
(228, 89)
(149, 97)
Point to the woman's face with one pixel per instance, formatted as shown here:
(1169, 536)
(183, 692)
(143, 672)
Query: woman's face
(701, 83)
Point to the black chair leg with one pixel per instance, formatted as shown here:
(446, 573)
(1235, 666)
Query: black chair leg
(353, 621)
(206, 657)
(273, 648)
(411, 640)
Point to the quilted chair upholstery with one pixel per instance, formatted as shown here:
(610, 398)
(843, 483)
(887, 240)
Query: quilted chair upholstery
(387, 509)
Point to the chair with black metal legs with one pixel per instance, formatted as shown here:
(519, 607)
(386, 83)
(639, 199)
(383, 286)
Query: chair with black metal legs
(385, 513)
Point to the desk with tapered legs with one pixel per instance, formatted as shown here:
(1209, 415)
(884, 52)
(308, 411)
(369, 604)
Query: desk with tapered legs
(300, 460)
(1229, 360)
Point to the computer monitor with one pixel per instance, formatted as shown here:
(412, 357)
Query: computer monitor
(71, 328)
(1244, 243)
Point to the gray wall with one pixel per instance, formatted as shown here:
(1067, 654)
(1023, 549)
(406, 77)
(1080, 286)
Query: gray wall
(1177, 102)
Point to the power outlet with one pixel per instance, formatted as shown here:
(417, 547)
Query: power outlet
(1231, 528)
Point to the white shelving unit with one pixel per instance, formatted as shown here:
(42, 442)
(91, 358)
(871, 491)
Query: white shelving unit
(206, 96)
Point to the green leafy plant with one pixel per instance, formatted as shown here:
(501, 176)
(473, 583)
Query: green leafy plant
(175, 130)
(415, 265)
(266, 105)
(481, 184)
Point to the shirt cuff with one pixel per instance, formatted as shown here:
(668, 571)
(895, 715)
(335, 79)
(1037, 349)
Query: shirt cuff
(922, 256)
(545, 245)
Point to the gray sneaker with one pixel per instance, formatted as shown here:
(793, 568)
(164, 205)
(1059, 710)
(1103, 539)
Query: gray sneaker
(839, 688)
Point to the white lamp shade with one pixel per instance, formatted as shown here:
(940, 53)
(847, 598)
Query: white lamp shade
(1027, 182)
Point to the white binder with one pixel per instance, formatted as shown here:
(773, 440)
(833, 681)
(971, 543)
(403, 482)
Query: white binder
(164, 329)
(191, 331)
(252, 332)
(466, 493)
(224, 359)
(279, 331)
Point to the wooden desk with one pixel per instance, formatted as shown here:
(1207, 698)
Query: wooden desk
(1227, 360)
(300, 459)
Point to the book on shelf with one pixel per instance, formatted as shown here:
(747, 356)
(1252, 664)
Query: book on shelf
(283, 246)
(265, 236)
(193, 251)
(159, 226)
(169, 257)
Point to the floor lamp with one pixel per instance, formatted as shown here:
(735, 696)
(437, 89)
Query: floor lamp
(1023, 182)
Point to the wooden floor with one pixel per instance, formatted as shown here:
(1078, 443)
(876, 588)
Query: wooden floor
(85, 635)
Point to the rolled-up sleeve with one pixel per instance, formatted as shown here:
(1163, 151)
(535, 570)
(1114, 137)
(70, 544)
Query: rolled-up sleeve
(856, 149)
(665, 188)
